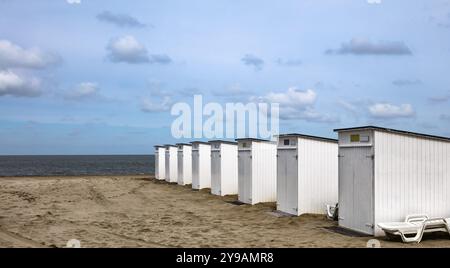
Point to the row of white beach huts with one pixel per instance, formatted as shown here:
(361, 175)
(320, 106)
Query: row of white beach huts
(376, 174)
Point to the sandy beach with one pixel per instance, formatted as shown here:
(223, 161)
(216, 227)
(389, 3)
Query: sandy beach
(139, 211)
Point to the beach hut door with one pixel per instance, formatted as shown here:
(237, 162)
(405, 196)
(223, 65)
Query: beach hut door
(215, 173)
(167, 163)
(180, 168)
(157, 164)
(356, 189)
(287, 187)
(195, 170)
(245, 177)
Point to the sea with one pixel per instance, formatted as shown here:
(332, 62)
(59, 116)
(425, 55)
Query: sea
(76, 165)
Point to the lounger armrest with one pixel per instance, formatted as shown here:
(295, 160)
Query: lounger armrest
(416, 218)
(435, 221)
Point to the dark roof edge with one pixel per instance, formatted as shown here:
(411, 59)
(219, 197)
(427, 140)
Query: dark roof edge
(186, 144)
(170, 145)
(308, 137)
(252, 139)
(390, 130)
(222, 141)
(200, 142)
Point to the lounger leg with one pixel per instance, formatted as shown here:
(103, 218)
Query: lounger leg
(417, 238)
(447, 226)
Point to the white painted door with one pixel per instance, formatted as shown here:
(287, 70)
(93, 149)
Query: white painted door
(215, 173)
(180, 168)
(195, 170)
(245, 177)
(281, 181)
(356, 189)
(287, 181)
(162, 164)
(157, 176)
(167, 162)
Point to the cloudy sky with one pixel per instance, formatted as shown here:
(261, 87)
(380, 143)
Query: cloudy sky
(100, 77)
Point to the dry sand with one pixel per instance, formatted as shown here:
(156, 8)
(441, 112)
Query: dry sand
(138, 211)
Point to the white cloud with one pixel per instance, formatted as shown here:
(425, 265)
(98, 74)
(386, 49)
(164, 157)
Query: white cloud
(297, 104)
(440, 99)
(14, 56)
(406, 82)
(83, 91)
(150, 106)
(388, 111)
(160, 58)
(363, 46)
(347, 106)
(252, 60)
(441, 18)
(72, 2)
(128, 49)
(157, 88)
(189, 91)
(121, 20)
(308, 114)
(445, 117)
(374, 2)
(232, 91)
(17, 85)
(293, 97)
(289, 62)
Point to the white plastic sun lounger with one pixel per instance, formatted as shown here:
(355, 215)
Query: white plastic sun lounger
(414, 226)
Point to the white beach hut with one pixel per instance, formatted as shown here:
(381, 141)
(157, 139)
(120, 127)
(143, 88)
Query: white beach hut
(160, 160)
(201, 165)
(387, 174)
(184, 164)
(257, 171)
(307, 174)
(171, 163)
(224, 167)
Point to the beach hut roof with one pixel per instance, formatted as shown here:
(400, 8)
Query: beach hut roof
(252, 139)
(307, 137)
(170, 145)
(396, 131)
(185, 144)
(223, 141)
(199, 142)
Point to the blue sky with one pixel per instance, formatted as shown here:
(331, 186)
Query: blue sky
(99, 77)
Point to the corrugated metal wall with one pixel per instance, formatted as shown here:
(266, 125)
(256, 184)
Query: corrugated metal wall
(412, 175)
(264, 172)
(317, 175)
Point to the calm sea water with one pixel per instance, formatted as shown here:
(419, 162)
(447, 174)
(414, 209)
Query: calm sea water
(76, 165)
